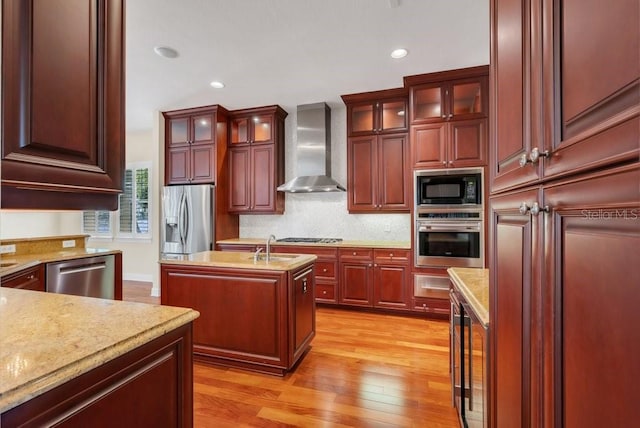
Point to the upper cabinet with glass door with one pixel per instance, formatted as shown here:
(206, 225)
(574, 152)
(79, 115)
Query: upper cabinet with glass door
(251, 129)
(449, 95)
(376, 112)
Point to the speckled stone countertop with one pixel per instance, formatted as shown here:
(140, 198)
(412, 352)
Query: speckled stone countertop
(474, 286)
(364, 244)
(240, 260)
(10, 263)
(47, 339)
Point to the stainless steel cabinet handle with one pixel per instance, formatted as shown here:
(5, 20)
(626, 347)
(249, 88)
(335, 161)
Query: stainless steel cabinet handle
(533, 156)
(534, 209)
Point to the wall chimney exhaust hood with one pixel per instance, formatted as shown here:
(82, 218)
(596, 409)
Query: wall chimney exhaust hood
(313, 152)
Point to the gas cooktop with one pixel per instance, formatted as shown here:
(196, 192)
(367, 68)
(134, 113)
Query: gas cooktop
(312, 240)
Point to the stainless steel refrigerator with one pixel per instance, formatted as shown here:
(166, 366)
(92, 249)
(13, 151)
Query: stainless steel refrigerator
(187, 219)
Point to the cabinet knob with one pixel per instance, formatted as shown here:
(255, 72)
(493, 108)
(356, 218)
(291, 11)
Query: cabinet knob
(324, 292)
(533, 156)
(390, 254)
(450, 162)
(450, 116)
(324, 270)
(534, 209)
(444, 163)
(354, 253)
(444, 116)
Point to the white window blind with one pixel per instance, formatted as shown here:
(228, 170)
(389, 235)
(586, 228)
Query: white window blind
(133, 213)
(134, 203)
(96, 223)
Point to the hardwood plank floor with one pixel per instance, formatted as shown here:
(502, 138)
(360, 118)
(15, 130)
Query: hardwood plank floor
(363, 370)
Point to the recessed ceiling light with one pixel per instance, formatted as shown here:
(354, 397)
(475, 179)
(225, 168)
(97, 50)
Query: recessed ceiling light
(165, 52)
(399, 53)
(217, 85)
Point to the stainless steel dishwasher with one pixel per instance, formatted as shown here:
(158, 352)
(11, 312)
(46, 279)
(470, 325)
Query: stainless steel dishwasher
(88, 276)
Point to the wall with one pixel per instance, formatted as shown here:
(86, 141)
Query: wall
(140, 257)
(324, 214)
(31, 224)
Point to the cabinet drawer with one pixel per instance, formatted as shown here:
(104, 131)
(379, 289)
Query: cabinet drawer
(325, 269)
(28, 279)
(392, 255)
(432, 306)
(237, 247)
(356, 254)
(329, 253)
(325, 292)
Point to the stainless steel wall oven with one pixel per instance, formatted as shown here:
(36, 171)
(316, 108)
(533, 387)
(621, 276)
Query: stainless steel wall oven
(448, 214)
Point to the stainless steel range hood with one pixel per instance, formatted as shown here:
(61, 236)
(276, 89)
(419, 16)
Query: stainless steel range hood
(313, 152)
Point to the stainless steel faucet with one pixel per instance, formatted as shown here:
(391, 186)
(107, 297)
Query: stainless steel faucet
(256, 255)
(271, 237)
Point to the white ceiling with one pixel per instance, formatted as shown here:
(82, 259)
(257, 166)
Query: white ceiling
(290, 52)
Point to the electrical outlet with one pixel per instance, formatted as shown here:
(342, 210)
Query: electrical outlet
(387, 227)
(69, 243)
(4, 249)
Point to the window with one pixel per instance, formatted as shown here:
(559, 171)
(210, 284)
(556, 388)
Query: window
(97, 223)
(133, 215)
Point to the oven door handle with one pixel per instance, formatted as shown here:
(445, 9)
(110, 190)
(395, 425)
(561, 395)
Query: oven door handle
(441, 227)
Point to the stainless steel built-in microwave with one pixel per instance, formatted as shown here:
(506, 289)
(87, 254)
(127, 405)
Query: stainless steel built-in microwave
(459, 187)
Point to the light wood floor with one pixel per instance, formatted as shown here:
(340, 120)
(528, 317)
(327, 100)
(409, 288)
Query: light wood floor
(363, 370)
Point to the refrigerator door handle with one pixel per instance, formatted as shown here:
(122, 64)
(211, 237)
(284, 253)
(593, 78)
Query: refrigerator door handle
(183, 220)
(187, 216)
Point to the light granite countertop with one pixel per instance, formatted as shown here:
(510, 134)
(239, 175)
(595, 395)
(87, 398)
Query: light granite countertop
(10, 263)
(347, 243)
(240, 260)
(474, 286)
(47, 339)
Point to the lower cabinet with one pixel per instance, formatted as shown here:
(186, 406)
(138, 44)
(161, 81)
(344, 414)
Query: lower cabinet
(358, 276)
(27, 279)
(326, 269)
(564, 302)
(375, 277)
(259, 320)
(149, 386)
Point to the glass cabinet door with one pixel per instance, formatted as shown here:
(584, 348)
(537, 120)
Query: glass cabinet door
(466, 98)
(428, 103)
(202, 129)
(179, 131)
(262, 128)
(362, 118)
(393, 115)
(239, 130)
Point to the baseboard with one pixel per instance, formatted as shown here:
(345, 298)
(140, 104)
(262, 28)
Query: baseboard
(137, 277)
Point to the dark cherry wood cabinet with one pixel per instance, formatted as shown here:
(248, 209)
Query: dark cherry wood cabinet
(391, 282)
(260, 320)
(563, 101)
(356, 276)
(448, 112)
(52, 56)
(377, 112)
(564, 211)
(158, 374)
(449, 144)
(194, 139)
(256, 160)
(377, 152)
(448, 95)
(27, 279)
(326, 269)
(377, 278)
(377, 179)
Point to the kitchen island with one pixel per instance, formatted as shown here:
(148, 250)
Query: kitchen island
(81, 360)
(255, 314)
